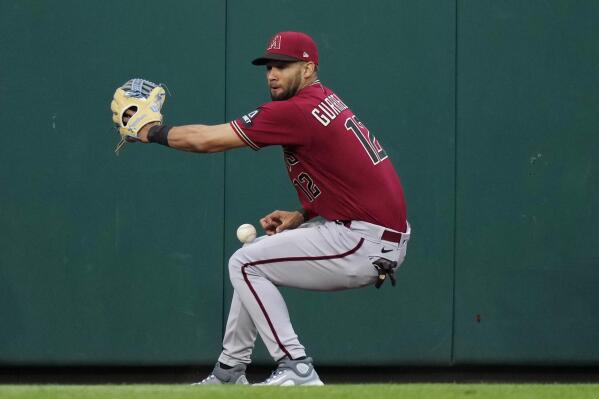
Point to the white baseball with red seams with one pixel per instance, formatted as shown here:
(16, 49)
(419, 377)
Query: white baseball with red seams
(246, 233)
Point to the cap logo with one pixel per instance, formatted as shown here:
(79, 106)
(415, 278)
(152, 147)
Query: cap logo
(305, 55)
(275, 43)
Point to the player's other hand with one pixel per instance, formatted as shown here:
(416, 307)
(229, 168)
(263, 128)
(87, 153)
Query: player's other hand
(278, 221)
(142, 135)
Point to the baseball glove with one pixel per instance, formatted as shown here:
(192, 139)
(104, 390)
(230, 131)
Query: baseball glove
(142, 97)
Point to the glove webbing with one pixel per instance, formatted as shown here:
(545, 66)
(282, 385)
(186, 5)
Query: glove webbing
(138, 88)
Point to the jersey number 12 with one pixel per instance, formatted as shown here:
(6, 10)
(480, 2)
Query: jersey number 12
(368, 141)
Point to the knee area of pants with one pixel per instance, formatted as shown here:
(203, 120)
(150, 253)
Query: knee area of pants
(237, 266)
(236, 262)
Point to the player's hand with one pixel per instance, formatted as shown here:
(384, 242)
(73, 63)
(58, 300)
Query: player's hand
(142, 135)
(278, 221)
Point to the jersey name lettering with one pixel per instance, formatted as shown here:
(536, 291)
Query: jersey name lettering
(329, 109)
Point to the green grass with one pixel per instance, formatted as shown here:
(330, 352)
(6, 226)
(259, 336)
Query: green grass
(396, 391)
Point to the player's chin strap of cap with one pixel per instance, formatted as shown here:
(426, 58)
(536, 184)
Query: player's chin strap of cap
(385, 268)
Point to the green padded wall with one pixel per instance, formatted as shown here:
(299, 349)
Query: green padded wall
(528, 183)
(488, 110)
(396, 73)
(103, 259)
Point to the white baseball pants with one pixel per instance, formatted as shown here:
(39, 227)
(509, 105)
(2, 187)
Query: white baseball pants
(321, 256)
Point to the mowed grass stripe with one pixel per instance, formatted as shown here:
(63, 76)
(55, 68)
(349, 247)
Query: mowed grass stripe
(362, 391)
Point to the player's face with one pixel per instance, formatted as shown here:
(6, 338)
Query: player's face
(284, 79)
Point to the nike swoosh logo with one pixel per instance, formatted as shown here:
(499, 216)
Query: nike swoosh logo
(386, 250)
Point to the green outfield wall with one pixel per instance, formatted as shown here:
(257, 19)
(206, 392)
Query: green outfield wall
(488, 109)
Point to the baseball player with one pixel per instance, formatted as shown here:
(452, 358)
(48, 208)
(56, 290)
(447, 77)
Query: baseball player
(342, 175)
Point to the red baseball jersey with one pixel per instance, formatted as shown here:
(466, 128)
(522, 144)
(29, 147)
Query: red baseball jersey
(339, 169)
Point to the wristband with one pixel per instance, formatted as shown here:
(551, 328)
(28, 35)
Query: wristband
(304, 213)
(159, 134)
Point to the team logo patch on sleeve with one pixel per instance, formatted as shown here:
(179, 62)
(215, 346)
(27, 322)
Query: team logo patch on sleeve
(247, 118)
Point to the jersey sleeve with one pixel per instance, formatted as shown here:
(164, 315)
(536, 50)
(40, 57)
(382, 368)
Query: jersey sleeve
(274, 123)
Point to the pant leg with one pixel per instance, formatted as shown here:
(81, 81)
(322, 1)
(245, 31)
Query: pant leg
(324, 257)
(240, 335)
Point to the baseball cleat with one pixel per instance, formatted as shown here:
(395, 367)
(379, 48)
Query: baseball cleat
(235, 375)
(292, 373)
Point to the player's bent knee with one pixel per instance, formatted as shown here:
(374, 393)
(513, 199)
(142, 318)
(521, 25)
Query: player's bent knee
(236, 262)
(239, 264)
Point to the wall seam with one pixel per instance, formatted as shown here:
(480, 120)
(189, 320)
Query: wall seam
(455, 185)
(224, 264)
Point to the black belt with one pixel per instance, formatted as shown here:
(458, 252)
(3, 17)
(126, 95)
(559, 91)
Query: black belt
(388, 235)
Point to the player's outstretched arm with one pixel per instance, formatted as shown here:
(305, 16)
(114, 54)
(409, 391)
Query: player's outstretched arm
(136, 110)
(198, 138)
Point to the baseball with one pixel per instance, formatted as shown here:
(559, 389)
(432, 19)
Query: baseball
(246, 233)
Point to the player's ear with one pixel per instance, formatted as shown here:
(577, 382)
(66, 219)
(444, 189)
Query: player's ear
(310, 69)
